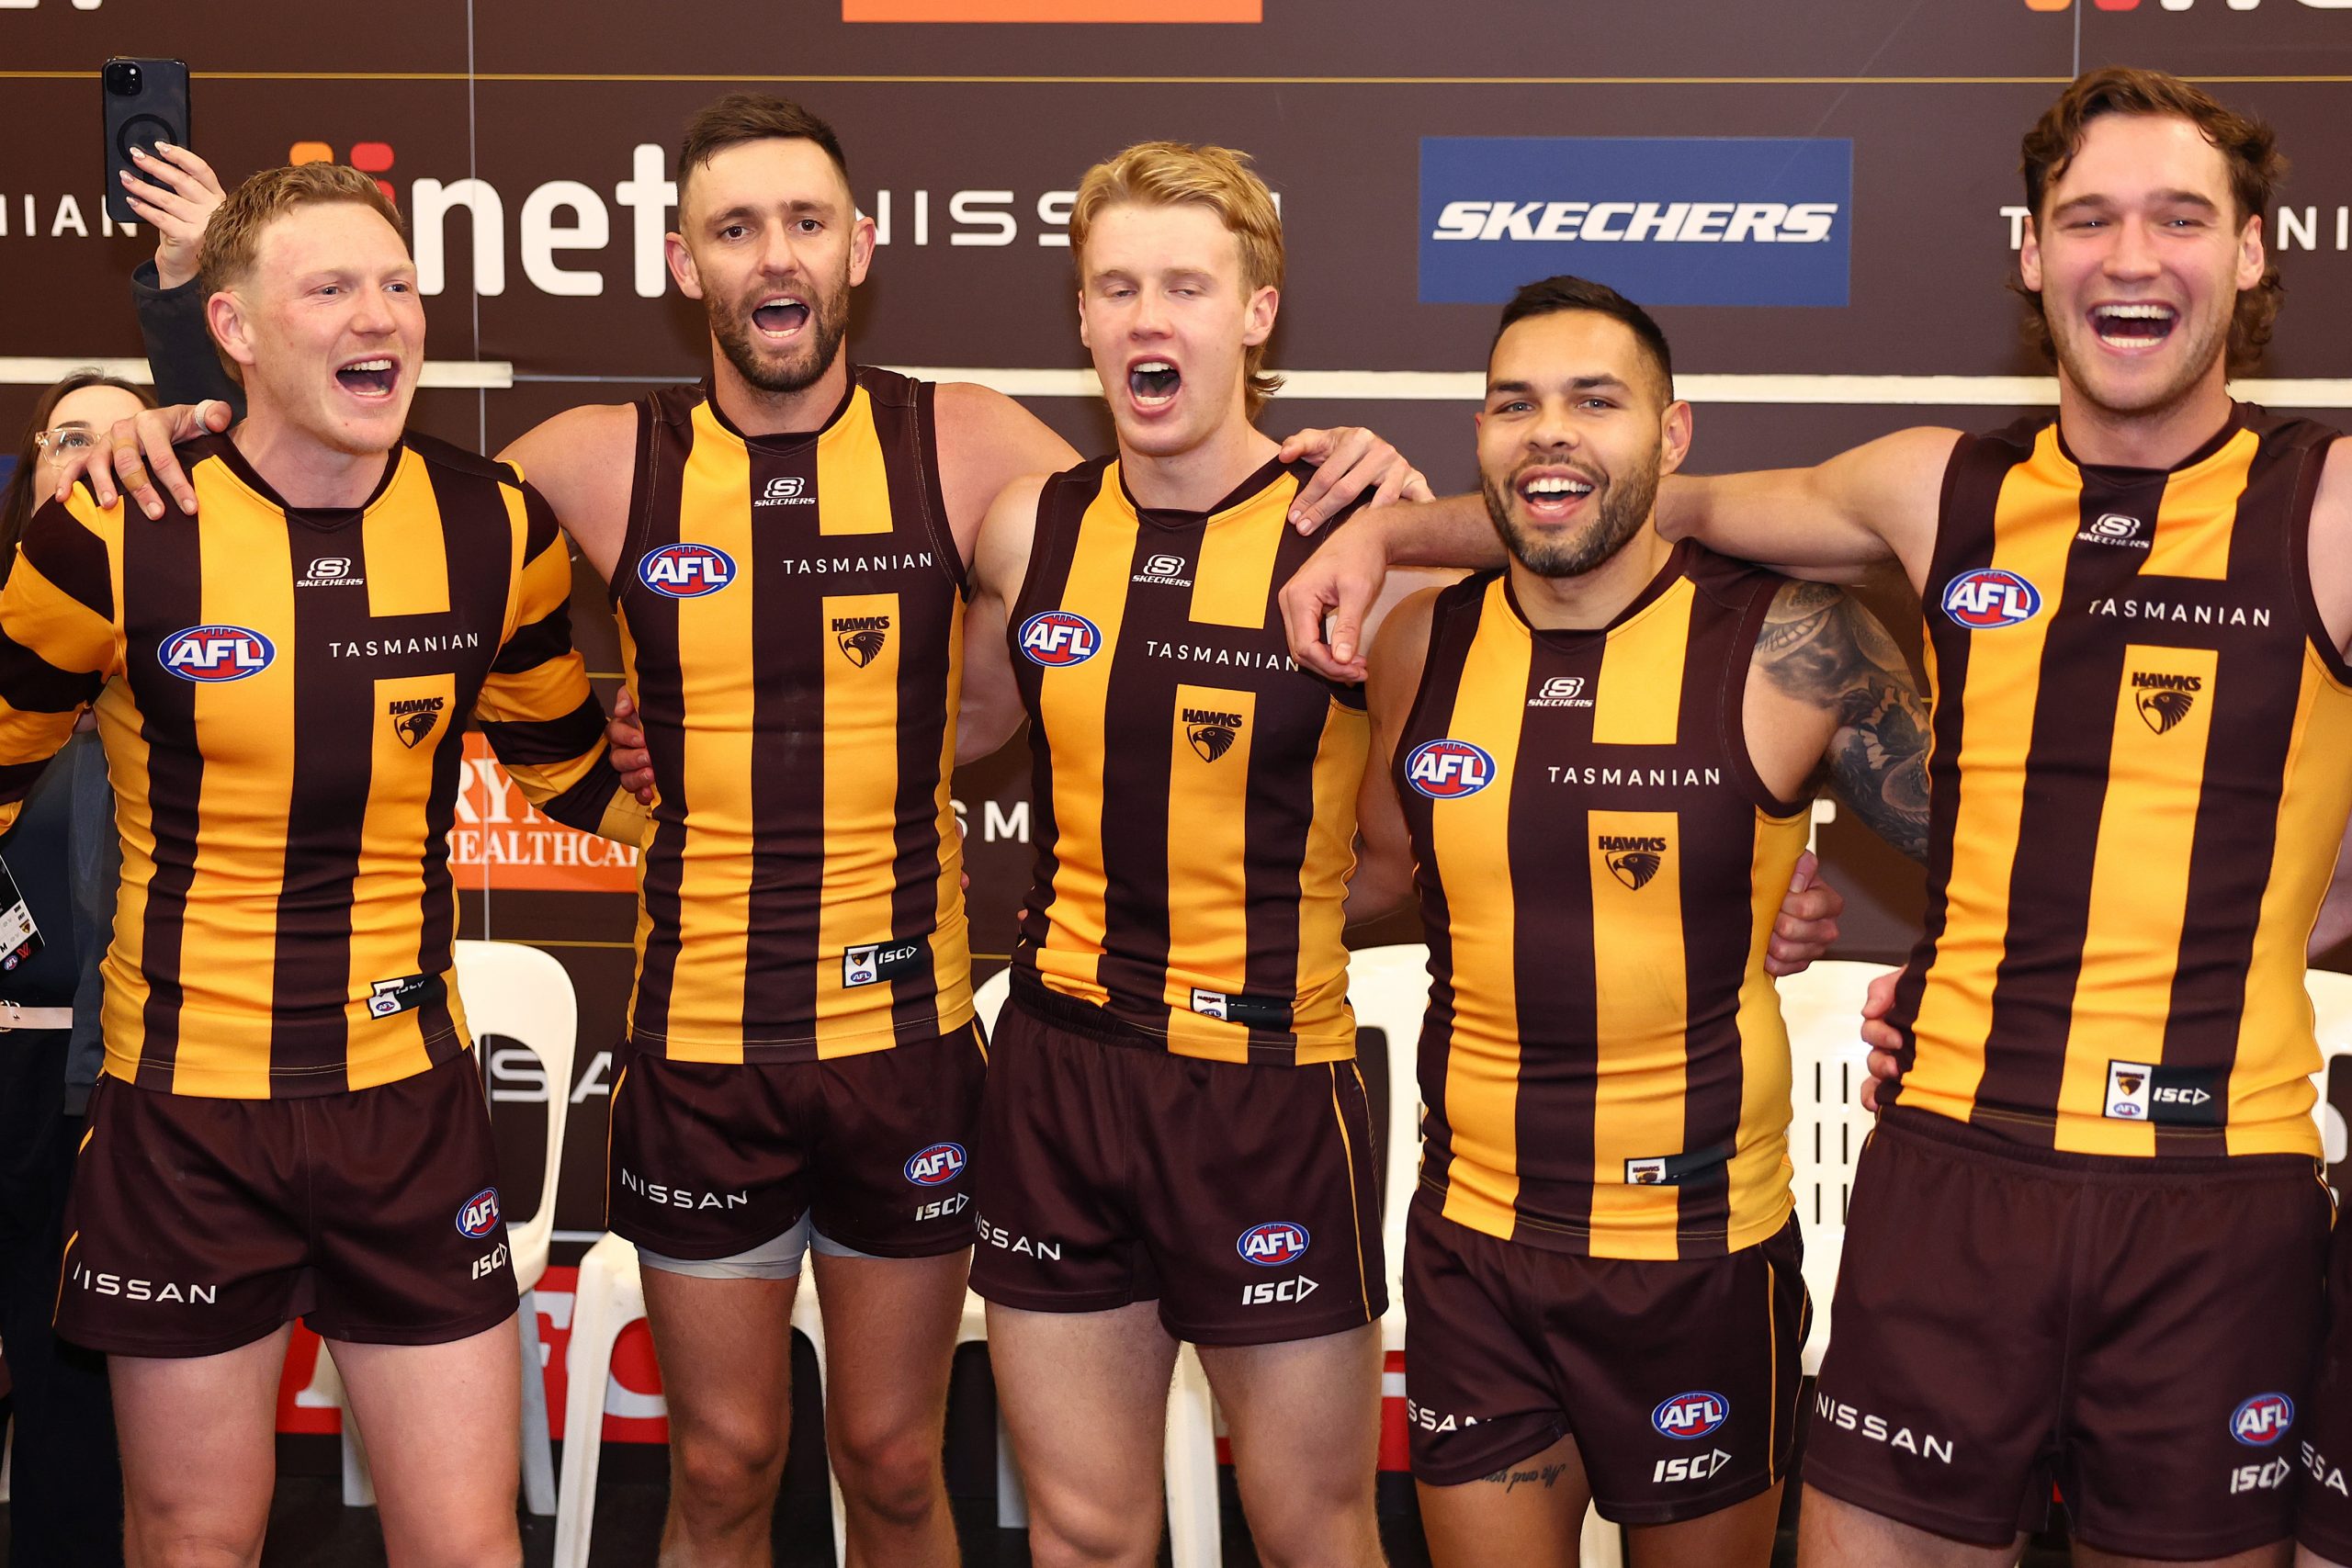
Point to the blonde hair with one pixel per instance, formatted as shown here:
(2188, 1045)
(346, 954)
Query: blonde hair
(232, 235)
(1177, 173)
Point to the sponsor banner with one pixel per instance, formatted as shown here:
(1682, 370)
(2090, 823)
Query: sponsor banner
(501, 840)
(1694, 221)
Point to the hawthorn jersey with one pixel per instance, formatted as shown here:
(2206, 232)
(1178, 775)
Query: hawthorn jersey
(2138, 779)
(280, 693)
(1194, 790)
(791, 616)
(1603, 1065)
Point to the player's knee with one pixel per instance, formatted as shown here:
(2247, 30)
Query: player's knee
(896, 1475)
(195, 1546)
(1072, 1531)
(727, 1465)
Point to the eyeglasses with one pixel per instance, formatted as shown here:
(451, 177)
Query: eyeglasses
(66, 438)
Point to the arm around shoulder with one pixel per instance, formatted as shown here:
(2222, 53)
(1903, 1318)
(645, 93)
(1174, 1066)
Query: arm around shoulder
(986, 442)
(1877, 501)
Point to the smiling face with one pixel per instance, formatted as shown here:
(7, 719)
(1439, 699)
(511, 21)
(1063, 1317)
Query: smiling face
(2138, 257)
(1576, 431)
(769, 241)
(327, 326)
(1169, 316)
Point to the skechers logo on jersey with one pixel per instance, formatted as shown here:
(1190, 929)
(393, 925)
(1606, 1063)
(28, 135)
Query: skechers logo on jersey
(385, 997)
(861, 636)
(1690, 1416)
(2262, 1420)
(1632, 861)
(1212, 733)
(1167, 572)
(2165, 699)
(1988, 597)
(785, 490)
(1692, 1467)
(215, 654)
(478, 1216)
(936, 1166)
(1650, 215)
(1448, 770)
(413, 717)
(1561, 692)
(1267, 1292)
(685, 570)
(1057, 639)
(99, 1282)
(877, 962)
(671, 1197)
(2115, 529)
(2147, 1092)
(330, 572)
(1277, 1244)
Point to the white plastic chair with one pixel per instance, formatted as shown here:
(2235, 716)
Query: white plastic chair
(2331, 1021)
(520, 994)
(1823, 1009)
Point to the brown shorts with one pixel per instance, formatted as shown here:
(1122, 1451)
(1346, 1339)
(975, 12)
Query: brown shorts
(1244, 1200)
(197, 1225)
(709, 1159)
(1677, 1378)
(2324, 1501)
(2141, 1332)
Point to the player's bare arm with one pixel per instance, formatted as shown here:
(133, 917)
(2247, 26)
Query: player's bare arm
(1383, 874)
(991, 711)
(1823, 663)
(1831, 522)
(2331, 545)
(583, 460)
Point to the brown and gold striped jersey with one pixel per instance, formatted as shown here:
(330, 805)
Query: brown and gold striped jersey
(1603, 1065)
(791, 615)
(281, 694)
(1194, 790)
(2139, 781)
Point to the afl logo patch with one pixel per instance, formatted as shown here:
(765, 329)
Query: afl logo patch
(1448, 770)
(1988, 597)
(1057, 639)
(685, 571)
(2262, 1420)
(1277, 1244)
(215, 654)
(1689, 1415)
(936, 1166)
(478, 1217)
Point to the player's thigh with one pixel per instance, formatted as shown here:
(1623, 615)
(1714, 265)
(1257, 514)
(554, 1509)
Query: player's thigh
(1530, 1513)
(2306, 1558)
(725, 1351)
(1304, 1416)
(1739, 1535)
(890, 1347)
(442, 1423)
(1833, 1533)
(1084, 1396)
(199, 1444)
(2276, 1555)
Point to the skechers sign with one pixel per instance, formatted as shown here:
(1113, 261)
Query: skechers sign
(1665, 222)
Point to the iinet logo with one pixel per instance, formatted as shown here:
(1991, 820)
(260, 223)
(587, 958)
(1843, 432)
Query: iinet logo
(2170, 5)
(367, 157)
(35, 5)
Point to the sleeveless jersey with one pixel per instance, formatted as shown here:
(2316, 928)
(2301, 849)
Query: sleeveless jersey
(2139, 781)
(281, 694)
(1603, 1067)
(1194, 790)
(792, 617)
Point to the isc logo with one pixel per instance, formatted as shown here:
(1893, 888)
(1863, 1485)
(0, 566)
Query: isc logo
(2262, 1420)
(1691, 1467)
(1277, 1244)
(215, 654)
(1989, 597)
(1689, 1416)
(1448, 770)
(478, 1217)
(685, 571)
(936, 1165)
(1057, 639)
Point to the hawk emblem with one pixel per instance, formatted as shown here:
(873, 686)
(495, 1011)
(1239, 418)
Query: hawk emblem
(1211, 741)
(2165, 710)
(860, 647)
(1635, 867)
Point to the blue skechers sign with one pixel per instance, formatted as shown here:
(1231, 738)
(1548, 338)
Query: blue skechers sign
(1664, 222)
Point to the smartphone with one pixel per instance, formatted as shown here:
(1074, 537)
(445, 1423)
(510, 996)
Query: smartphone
(146, 103)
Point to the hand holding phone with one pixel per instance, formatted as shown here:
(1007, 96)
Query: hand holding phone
(146, 102)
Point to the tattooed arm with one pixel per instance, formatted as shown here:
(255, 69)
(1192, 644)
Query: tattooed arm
(1823, 657)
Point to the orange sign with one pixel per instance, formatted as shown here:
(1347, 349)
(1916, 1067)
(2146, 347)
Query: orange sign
(1052, 10)
(500, 840)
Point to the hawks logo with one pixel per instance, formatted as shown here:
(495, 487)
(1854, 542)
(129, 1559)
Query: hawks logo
(1988, 597)
(685, 570)
(1057, 639)
(215, 654)
(413, 717)
(1448, 770)
(2262, 1420)
(478, 1216)
(1212, 733)
(2165, 699)
(1632, 861)
(861, 636)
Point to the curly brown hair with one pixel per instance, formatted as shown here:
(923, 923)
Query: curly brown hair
(2249, 146)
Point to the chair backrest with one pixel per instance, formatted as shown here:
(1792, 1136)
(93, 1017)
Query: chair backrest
(522, 994)
(2332, 1019)
(1823, 1009)
(1389, 988)
(987, 999)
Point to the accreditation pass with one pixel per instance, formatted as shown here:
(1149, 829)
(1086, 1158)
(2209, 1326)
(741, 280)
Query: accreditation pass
(20, 938)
